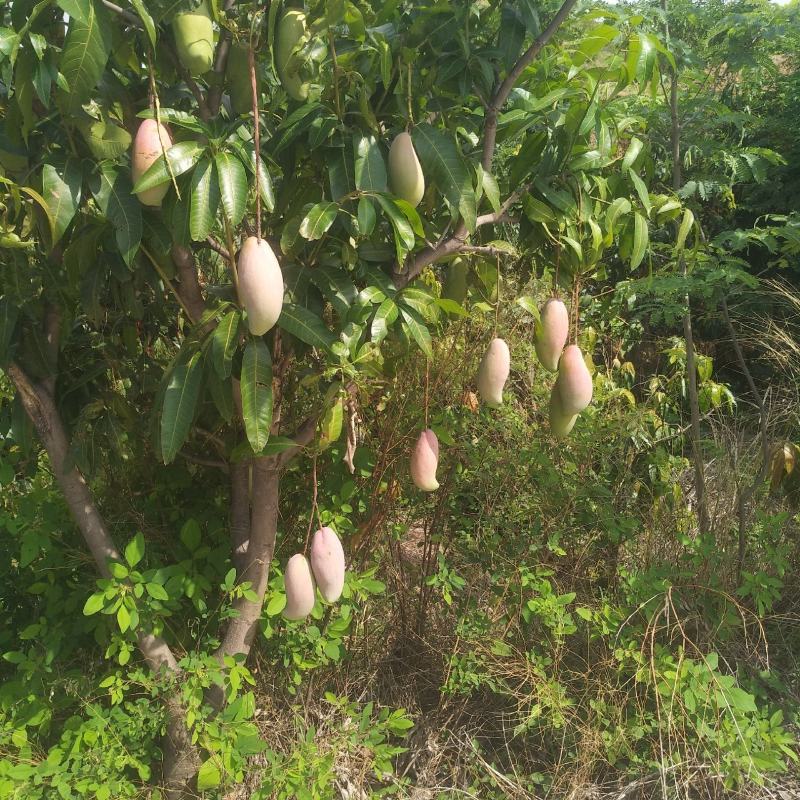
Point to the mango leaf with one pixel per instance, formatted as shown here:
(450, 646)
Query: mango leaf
(256, 384)
(86, 50)
(203, 200)
(403, 232)
(61, 188)
(683, 231)
(336, 286)
(182, 157)
(147, 20)
(641, 190)
(180, 401)
(419, 332)
(634, 148)
(385, 315)
(446, 168)
(223, 343)
(77, 9)
(619, 207)
(306, 326)
(640, 240)
(319, 218)
(232, 185)
(370, 171)
(112, 191)
(208, 776)
(366, 216)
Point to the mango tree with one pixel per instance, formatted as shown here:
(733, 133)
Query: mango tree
(128, 327)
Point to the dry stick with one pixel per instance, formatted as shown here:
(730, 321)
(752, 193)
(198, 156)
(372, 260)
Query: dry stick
(257, 135)
(747, 495)
(313, 503)
(156, 105)
(427, 388)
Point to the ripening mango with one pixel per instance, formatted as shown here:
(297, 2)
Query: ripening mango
(424, 461)
(405, 172)
(560, 423)
(574, 382)
(455, 281)
(552, 333)
(291, 29)
(298, 583)
(194, 39)
(493, 372)
(327, 562)
(146, 149)
(260, 285)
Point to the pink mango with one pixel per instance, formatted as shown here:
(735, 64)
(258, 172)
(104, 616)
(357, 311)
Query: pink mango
(327, 562)
(493, 372)
(260, 285)
(146, 149)
(424, 461)
(553, 332)
(574, 382)
(298, 583)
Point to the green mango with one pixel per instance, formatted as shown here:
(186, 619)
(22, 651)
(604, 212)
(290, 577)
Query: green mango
(455, 281)
(291, 29)
(194, 38)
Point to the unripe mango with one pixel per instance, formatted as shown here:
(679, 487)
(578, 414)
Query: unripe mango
(405, 171)
(455, 281)
(238, 78)
(560, 423)
(574, 382)
(424, 461)
(552, 334)
(194, 38)
(493, 372)
(327, 562)
(260, 285)
(298, 583)
(146, 149)
(291, 29)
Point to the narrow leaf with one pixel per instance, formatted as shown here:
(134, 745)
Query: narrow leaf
(370, 170)
(640, 240)
(233, 186)
(306, 326)
(256, 384)
(180, 401)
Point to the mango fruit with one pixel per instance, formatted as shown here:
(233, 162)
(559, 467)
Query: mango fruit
(260, 285)
(327, 562)
(552, 333)
(238, 77)
(560, 423)
(493, 372)
(194, 38)
(405, 172)
(424, 461)
(574, 382)
(290, 30)
(298, 583)
(146, 149)
(455, 281)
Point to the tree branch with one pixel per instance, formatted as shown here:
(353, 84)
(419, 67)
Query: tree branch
(220, 65)
(190, 293)
(128, 16)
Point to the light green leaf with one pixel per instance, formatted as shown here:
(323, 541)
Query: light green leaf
(419, 332)
(208, 776)
(306, 326)
(147, 20)
(61, 188)
(180, 401)
(112, 191)
(203, 199)
(134, 552)
(370, 170)
(618, 208)
(182, 157)
(156, 591)
(123, 618)
(86, 50)
(223, 343)
(94, 603)
(683, 231)
(641, 190)
(640, 240)
(232, 185)
(385, 315)
(634, 148)
(256, 384)
(403, 232)
(319, 218)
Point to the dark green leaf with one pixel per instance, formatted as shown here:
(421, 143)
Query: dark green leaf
(77, 9)
(336, 286)
(370, 170)
(182, 157)
(419, 332)
(61, 188)
(403, 232)
(306, 326)
(640, 240)
(147, 20)
(256, 385)
(366, 216)
(204, 200)
(86, 50)
(233, 186)
(223, 343)
(112, 191)
(180, 400)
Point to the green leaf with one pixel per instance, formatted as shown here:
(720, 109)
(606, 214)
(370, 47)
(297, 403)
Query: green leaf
(264, 179)
(403, 232)
(77, 9)
(618, 208)
(256, 385)
(640, 240)
(223, 343)
(276, 604)
(336, 285)
(683, 231)
(86, 50)
(203, 199)
(134, 552)
(94, 603)
(61, 189)
(443, 163)
(180, 401)
(8, 320)
(233, 186)
(366, 216)
(370, 170)
(156, 591)
(641, 190)
(319, 218)
(306, 326)
(123, 618)
(634, 148)
(419, 332)
(112, 191)
(385, 315)
(182, 157)
(147, 20)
